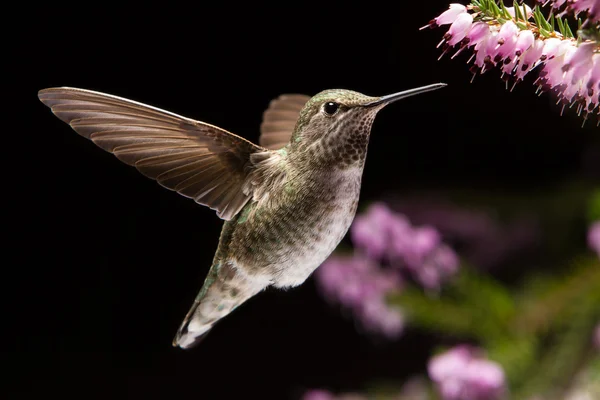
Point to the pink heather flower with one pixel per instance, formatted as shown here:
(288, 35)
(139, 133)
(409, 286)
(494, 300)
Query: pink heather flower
(572, 72)
(591, 7)
(442, 264)
(529, 59)
(478, 32)
(581, 62)
(413, 246)
(384, 235)
(448, 16)
(376, 316)
(459, 29)
(550, 48)
(524, 42)
(570, 67)
(594, 237)
(462, 374)
(507, 41)
(486, 50)
(360, 285)
(370, 231)
(316, 394)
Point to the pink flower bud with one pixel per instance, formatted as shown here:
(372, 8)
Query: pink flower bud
(529, 59)
(450, 15)
(594, 238)
(581, 62)
(477, 33)
(507, 42)
(459, 28)
(550, 48)
(524, 42)
(508, 32)
(461, 373)
(447, 17)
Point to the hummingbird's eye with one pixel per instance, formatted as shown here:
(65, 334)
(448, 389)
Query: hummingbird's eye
(330, 107)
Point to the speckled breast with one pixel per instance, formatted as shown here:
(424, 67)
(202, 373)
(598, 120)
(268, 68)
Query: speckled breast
(287, 241)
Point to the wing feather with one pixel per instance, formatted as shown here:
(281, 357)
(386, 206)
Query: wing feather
(279, 120)
(198, 160)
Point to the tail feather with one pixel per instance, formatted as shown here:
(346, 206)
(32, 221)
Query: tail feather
(223, 290)
(190, 336)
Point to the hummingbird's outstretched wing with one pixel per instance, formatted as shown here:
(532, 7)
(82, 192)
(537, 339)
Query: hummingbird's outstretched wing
(197, 160)
(279, 120)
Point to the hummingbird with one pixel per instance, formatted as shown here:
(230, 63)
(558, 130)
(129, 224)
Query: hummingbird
(287, 202)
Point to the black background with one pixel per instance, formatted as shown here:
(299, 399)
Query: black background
(103, 263)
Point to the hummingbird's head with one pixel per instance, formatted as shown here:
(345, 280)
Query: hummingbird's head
(337, 122)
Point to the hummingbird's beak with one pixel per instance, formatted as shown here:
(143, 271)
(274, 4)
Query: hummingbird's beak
(390, 98)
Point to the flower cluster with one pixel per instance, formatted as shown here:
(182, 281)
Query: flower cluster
(360, 285)
(462, 373)
(389, 237)
(387, 248)
(509, 39)
(576, 7)
(594, 237)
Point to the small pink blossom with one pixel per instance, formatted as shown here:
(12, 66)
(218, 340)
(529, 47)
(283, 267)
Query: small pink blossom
(462, 373)
(448, 16)
(316, 394)
(478, 32)
(524, 42)
(459, 29)
(591, 7)
(360, 285)
(529, 59)
(594, 237)
(507, 40)
(581, 62)
(383, 235)
(486, 50)
(378, 317)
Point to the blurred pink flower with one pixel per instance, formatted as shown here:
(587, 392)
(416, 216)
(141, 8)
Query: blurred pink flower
(385, 235)
(316, 394)
(385, 246)
(372, 230)
(591, 7)
(360, 285)
(594, 237)
(596, 338)
(463, 374)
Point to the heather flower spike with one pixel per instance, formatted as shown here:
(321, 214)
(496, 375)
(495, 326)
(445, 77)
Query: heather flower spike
(518, 39)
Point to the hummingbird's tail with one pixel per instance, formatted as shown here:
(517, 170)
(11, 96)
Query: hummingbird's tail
(224, 289)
